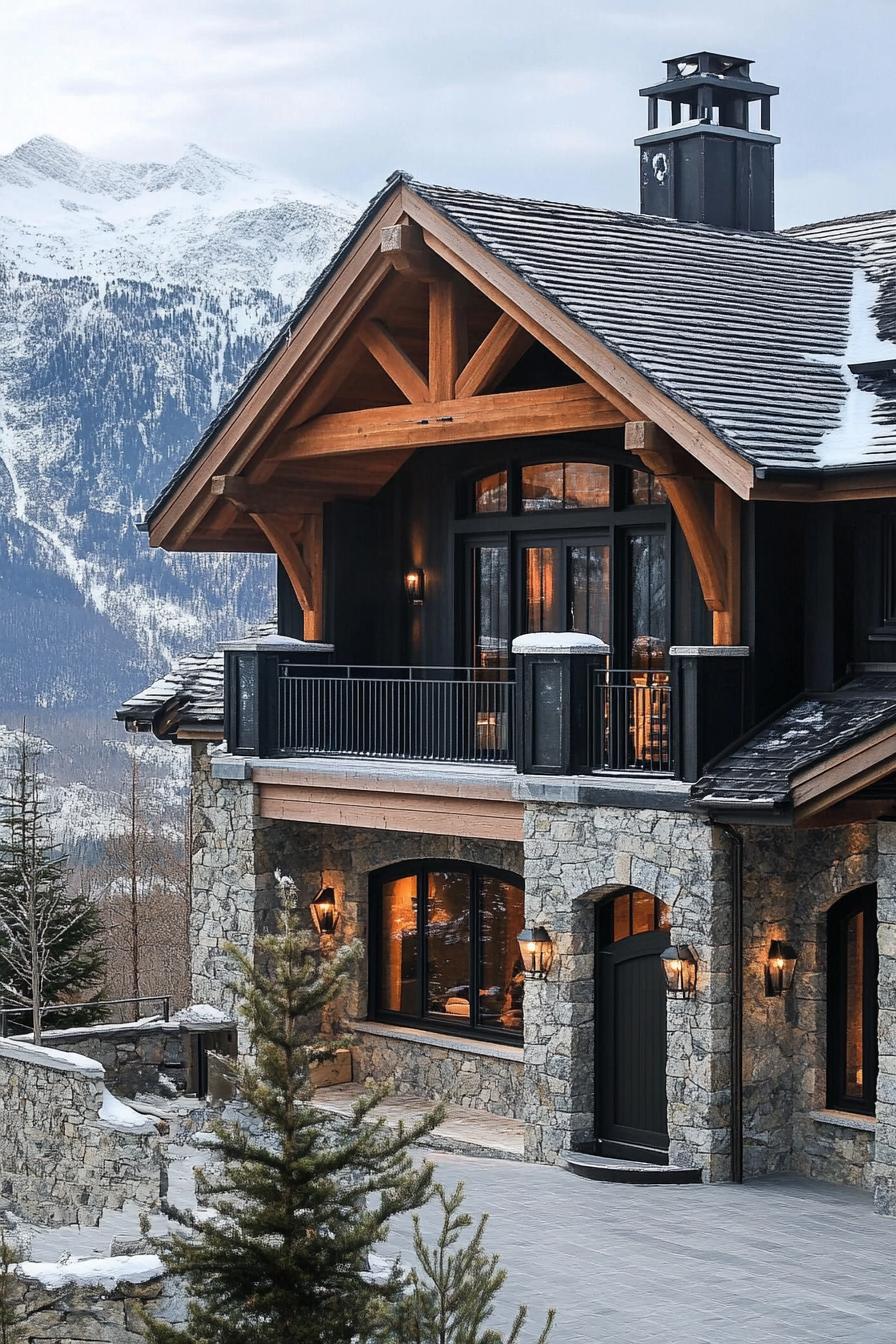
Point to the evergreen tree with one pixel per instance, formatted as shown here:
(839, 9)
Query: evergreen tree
(300, 1207)
(50, 949)
(451, 1297)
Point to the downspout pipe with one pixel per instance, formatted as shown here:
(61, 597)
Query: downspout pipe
(737, 1001)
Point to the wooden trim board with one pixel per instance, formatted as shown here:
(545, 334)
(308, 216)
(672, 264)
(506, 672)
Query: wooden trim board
(487, 819)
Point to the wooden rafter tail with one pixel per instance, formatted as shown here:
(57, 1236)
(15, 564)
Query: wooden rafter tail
(403, 246)
(494, 357)
(551, 410)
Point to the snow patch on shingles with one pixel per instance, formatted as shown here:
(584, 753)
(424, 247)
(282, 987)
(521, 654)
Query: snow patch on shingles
(117, 1115)
(107, 1272)
(855, 438)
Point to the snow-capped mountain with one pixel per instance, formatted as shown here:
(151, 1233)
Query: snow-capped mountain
(133, 297)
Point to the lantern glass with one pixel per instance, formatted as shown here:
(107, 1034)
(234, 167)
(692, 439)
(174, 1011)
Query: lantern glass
(680, 971)
(413, 586)
(324, 914)
(779, 968)
(536, 951)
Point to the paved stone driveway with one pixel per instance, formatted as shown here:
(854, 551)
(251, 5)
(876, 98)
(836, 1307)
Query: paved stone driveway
(779, 1259)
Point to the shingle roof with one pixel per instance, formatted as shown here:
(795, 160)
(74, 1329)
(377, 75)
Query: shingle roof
(190, 695)
(753, 333)
(759, 773)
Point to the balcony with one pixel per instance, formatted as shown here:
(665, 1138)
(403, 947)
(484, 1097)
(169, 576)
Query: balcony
(562, 710)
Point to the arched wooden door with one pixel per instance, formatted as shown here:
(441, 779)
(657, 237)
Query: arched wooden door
(630, 1039)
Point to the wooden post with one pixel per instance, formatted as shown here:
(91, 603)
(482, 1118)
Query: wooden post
(444, 338)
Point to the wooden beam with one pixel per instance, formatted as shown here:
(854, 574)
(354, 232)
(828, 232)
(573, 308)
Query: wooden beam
(652, 446)
(313, 553)
(726, 516)
(504, 415)
(580, 349)
(288, 554)
(283, 500)
(495, 356)
(378, 340)
(403, 247)
(393, 811)
(444, 338)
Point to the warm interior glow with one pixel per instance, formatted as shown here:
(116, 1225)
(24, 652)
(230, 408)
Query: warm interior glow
(399, 945)
(855, 970)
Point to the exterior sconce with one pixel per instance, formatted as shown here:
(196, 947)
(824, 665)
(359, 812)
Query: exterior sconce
(680, 970)
(537, 952)
(779, 969)
(324, 915)
(413, 586)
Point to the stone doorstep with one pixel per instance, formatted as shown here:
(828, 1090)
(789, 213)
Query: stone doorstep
(474, 1133)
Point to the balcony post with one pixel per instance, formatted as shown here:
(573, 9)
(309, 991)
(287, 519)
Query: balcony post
(251, 689)
(710, 684)
(553, 701)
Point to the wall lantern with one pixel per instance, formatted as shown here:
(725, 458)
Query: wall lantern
(324, 914)
(537, 952)
(779, 968)
(680, 969)
(413, 586)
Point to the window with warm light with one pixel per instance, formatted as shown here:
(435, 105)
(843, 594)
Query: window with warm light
(444, 950)
(852, 1002)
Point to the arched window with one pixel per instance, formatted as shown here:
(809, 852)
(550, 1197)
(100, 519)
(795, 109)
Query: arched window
(852, 1002)
(443, 948)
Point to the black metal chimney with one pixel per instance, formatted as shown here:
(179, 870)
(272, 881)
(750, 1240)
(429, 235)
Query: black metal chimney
(708, 166)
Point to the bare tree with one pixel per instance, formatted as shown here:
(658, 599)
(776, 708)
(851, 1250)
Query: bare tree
(49, 947)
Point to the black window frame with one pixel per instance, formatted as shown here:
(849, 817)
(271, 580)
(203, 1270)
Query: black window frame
(863, 899)
(420, 868)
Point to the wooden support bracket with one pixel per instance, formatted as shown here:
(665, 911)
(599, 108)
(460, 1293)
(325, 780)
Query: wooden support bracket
(495, 356)
(379, 341)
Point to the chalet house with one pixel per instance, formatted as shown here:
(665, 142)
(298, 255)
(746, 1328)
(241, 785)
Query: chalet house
(585, 525)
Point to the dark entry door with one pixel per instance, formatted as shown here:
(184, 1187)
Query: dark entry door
(631, 1031)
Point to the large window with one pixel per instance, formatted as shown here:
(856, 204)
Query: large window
(444, 950)
(852, 1002)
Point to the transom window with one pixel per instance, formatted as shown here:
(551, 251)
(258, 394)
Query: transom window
(852, 1002)
(633, 912)
(444, 950)
(563, 486)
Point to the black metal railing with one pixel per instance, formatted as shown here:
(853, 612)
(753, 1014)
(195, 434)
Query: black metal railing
(454, 714)
(632, 720)
(22, 1017)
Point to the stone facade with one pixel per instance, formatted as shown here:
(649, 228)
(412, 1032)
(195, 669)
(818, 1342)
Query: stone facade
(574, 856)
(61, 1161)
(885, 1142)
(133, 1054)
(477, 1074)
(97, 1302)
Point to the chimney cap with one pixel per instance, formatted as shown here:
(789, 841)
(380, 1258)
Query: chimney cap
(686, 73)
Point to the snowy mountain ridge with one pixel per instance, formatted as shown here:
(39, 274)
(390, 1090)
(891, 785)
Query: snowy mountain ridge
(133, 299)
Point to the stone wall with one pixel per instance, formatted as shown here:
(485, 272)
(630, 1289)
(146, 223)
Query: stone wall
(233, 886)
(829, 1146)
(65, 1155)
(574, 855)
(885, 1145)
(133, 1054)
(95, 1301)
(466, 1073)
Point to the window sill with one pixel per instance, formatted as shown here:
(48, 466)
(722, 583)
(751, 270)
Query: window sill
(464, 1045)
(845, 1120)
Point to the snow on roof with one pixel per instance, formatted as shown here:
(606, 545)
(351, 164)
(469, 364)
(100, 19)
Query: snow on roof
(201, 1015)
(107, 1272)
(64, 1061)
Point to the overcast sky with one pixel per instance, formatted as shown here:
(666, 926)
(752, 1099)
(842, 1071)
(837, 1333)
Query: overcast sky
(533, 97)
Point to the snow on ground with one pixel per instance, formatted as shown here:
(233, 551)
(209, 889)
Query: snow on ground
(115, 1113)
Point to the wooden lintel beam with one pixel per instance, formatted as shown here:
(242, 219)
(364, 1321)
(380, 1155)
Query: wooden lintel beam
(403, 247)
(504, 415)
(445, 319)
(246, 497)
(379, 341)
(290, 557)
(494, 357)
(660, 456)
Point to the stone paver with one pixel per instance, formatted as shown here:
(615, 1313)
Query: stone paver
(462, 1129)
(779, 1258)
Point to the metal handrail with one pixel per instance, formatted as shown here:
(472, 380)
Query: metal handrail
(134, 1001)
(632, 717)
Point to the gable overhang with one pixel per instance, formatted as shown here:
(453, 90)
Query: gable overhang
(840, 777)
(285, 382)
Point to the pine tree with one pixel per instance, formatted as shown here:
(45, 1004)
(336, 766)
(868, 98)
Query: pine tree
(299, 1209)
(451, 1297)
(49, 935)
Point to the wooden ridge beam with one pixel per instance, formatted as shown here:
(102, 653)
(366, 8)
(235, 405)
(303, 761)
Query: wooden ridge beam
(494, 357)
(403, 247)
(551, 410)
(376, 338)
